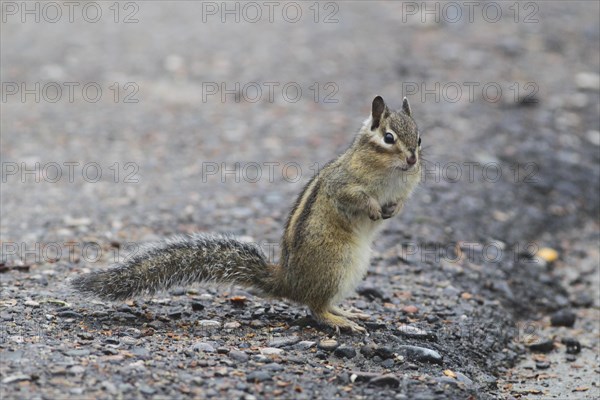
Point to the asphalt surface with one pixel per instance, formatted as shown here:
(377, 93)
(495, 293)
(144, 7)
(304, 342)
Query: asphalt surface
(121, 128)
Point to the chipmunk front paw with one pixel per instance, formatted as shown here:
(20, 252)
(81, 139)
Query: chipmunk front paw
(374, 210)
(388, 210)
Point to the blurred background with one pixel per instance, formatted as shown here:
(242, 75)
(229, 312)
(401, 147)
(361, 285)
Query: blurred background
(129, 121)
(168, 89)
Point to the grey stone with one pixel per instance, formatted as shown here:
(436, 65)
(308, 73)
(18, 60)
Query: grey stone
(304, 345)
(422, 354)
(258, 376)
(328, 344)
(563, 318)
(345, 351)
(203, 347)
(284, 341)
(385, 380)
(239, 355)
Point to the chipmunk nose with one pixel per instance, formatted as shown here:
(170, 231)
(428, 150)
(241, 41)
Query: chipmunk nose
(412, 160)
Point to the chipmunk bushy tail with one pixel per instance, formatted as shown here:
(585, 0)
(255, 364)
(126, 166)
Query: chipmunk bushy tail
(181, 261)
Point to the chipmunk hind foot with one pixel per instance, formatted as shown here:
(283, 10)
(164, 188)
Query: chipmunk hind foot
(338, 322)
(350, 314)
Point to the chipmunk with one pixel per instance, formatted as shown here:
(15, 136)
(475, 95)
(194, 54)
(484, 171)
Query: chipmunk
(326, 244)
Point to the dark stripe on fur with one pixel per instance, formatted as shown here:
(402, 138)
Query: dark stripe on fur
(300, 228)
(366, 141)
(285, 243)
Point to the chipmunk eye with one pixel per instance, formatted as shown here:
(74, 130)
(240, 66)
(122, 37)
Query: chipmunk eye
(419, 141)
(389, 138)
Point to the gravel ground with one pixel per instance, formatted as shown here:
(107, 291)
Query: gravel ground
(467, 288)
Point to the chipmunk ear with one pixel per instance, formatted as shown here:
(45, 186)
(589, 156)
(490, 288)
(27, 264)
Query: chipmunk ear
(406, 107)
(377, 111)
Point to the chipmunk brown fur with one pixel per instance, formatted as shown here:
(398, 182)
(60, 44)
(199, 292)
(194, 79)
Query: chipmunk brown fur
(326, 244)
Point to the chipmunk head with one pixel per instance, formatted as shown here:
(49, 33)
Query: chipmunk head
(393, 135)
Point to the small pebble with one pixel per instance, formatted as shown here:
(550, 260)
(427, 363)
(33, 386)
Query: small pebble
(304, 345)
(156, 325)
(124, 316)
(145, 389)
(31, 303)
(593, 137)
(372, 293)
(232, 325)
(128, 340)
(412, 332)
(410, 309)
(6, 317)
(69, 314)
(85, 335)
(269, 351)
(423, 354)
(463, 378)
(385, 380)
(345, 351)
(239, 355)
(73, 222)
(384, 352)
(547, 254)
(208, 323)
(203, 347)
(76, 370)
(16, 378)
(109, 387)
(583, 300)
(360, 376)
(284, 341)
(543, 346)
(368, 350)
(587, 81)
(328, 344)
(563, 318)
(78, 352)
(258, 376)
(273, 367)
(257, 324)
(573, 345)
(449, 373)
(259, 358)
(542, 365)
